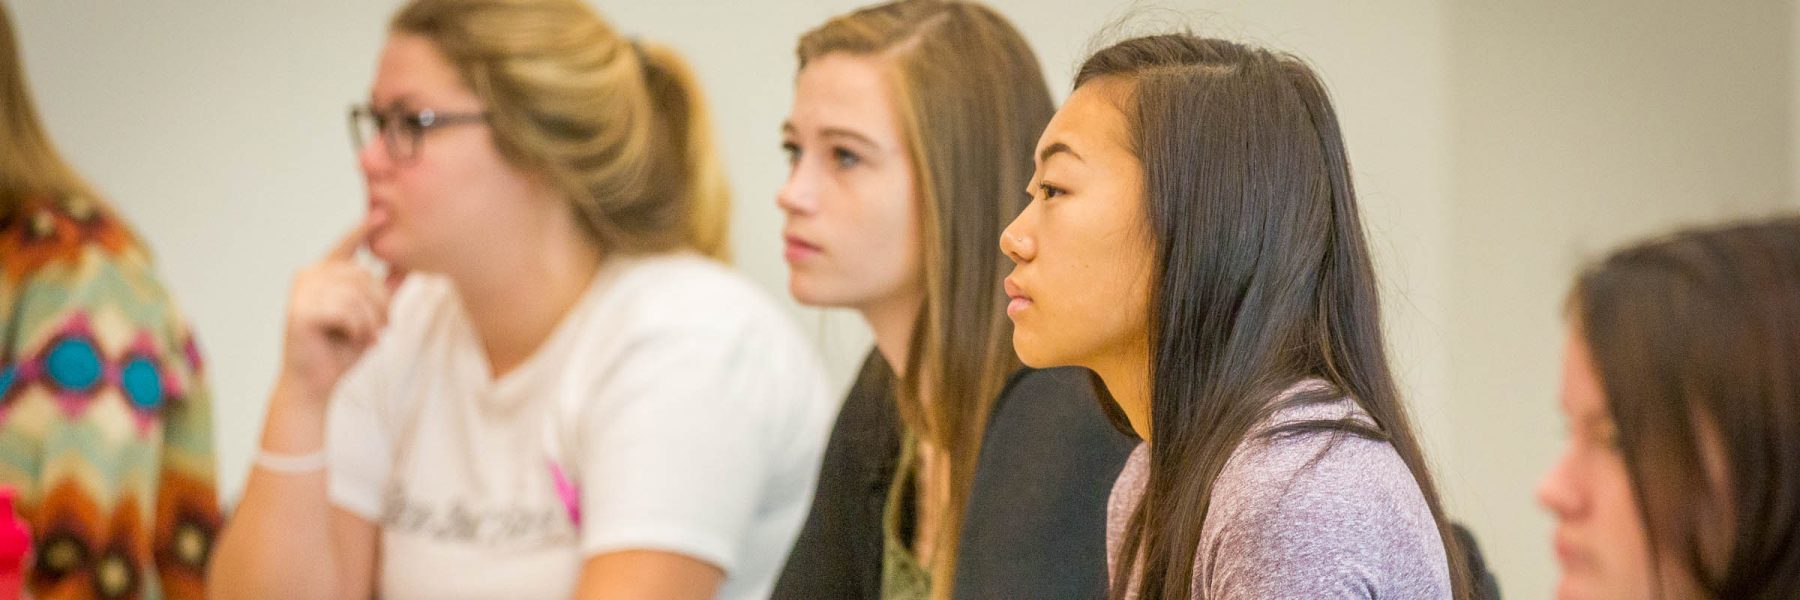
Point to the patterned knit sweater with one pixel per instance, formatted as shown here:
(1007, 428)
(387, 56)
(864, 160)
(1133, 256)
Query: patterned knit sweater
(105, 420)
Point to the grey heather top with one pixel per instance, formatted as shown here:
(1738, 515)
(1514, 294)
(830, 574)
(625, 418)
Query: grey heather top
(1353, 524)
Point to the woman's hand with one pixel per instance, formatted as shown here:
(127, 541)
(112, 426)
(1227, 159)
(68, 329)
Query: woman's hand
(336, 311)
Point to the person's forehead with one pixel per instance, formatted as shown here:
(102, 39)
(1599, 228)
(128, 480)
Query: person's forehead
(1580, 395)
(1092, 120)
(412, 69)
(840, 90)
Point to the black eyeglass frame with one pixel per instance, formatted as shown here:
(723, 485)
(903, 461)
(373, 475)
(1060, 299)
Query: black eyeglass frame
(403, 133)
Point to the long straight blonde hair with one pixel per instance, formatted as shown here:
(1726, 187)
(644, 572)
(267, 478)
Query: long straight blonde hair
(618, 125)
(30, 166)
(972, 102)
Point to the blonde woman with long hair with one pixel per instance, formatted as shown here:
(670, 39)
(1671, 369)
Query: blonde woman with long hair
(952, 470)
(560, 390)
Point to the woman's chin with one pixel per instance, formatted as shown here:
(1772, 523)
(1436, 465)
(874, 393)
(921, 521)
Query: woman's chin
(392, 253)
(1029, 351)
(810, 290)
(384, 251)
(805, 295)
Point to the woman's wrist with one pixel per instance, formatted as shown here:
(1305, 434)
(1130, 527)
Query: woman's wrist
(297, 464)
(295, 424)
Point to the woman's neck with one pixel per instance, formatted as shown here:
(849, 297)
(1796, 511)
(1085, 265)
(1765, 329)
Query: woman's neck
(892, 320)
(1127, 378)
(520, 292)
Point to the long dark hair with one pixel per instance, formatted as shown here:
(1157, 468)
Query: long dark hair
(1695, 338)
(971, 102)
(1264, 279)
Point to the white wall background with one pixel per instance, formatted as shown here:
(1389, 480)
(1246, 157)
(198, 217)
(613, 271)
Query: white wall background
(1578, 125)
(1496, 146)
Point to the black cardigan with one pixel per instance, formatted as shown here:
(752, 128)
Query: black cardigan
(1035, 526)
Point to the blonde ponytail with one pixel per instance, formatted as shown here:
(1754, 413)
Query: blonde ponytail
(618, 126)
(675, 94)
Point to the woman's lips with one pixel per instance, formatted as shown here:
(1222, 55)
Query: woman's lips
(1019, 301)
(799, 249)
(378, 212)
(1567, 554)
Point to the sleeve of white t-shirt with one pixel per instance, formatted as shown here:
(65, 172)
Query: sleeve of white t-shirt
(357, 447)
(672, 446)
(359, 444)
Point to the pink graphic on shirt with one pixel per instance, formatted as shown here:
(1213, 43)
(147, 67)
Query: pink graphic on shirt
(571, 495)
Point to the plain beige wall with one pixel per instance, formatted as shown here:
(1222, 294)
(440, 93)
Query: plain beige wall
(1488, 148)
(1577, 126)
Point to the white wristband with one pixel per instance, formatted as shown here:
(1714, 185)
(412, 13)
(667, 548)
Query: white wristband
(291, 463)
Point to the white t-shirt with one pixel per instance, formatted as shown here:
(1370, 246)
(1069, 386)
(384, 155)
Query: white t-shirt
(681, 403)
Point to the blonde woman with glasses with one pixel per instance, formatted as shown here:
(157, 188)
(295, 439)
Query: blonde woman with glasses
(559, 389)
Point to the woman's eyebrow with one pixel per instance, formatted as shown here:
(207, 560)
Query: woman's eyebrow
(1055, 149)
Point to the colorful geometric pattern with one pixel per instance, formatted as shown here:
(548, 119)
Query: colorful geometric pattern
(105, 420)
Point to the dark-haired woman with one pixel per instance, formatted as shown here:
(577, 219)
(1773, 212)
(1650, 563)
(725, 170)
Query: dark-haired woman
(1681, 386)
(1194, 238)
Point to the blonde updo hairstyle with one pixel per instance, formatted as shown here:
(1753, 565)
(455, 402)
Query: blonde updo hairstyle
(617, 125)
